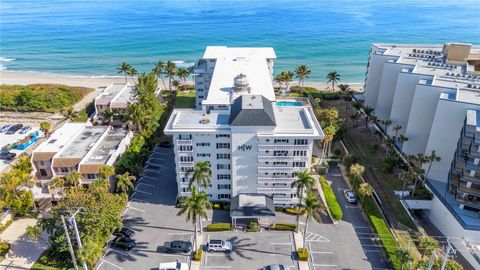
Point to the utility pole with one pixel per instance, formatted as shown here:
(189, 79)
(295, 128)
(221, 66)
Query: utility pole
(73, 222)
(70, 247)
(445, 258)
(432, 258)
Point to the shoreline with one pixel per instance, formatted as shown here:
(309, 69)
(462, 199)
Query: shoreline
(33, 77)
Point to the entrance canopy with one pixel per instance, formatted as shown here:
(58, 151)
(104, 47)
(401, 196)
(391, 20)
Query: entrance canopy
(252, 206)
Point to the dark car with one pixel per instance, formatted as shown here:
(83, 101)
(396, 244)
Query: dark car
(123, 242)
(4, 128)
(7, 155)
(124, 232)
(165, 144)
(14, 129)
(177, 247)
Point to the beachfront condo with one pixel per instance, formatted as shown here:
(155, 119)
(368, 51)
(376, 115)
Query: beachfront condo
(433, 93)
(255, 142)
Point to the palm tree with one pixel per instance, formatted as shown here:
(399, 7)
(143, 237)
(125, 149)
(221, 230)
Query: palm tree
(69, 114)
(287, 77)
(170, 71)
(106, 171)
(136, 115)
(311, 206)
(329, 134)
(302, 72)
(100, 184)
(46, 127)
(57, 182)
(333, 77)
(396, 129)
(355, 171)
(345, 90)
(201, 174)
(386, 124)
(125, 69)
(124, 182)
(433, 157)
(183, 74)
(358, 105)
(195, 209)
(404, 257)
(133, 72)
(33, 232)
(90, 252)
(176, 84)
(159, 70)
(72, 179)
(279, 80)
(428, 244)
(365, 190)
(106, 116)
(304, 182)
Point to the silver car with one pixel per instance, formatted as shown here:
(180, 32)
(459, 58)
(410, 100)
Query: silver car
(276, 267)
(350, 196)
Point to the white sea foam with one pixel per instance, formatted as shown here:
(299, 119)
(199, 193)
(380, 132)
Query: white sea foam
(6, 59)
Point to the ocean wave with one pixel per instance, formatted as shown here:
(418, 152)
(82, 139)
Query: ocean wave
(6, 59)
(181, 63)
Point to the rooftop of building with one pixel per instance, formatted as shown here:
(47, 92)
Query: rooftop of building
(190, 119)
(107, 147)
(82, 143)
(123, 98)
(252, 110)
(230, 63)
(118, 91)
(60, 137)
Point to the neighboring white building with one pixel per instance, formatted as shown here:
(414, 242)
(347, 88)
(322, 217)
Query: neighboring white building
(433, 93)
(115, 97)
(255, 143)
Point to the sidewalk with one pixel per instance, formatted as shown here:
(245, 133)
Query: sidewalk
(23, 251)
(298, 237)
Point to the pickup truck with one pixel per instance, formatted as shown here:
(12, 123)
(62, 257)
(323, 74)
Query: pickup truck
(177, 247)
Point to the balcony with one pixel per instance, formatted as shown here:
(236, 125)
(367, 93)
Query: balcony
(185, 194)
(270, 190)
(185, 153)
(282, 158)
(272, 180)
(282, 147)
(469, 200)
(462, 187)
(184, 142)
(184, 184)
(466, 177)
(285, 200)
(263, 170)
(186, 164)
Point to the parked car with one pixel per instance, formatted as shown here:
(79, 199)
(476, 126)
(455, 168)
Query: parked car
(165, 144)
(123, 242)
(219, 245)
(7, 155)
(4, 128)
(276, 267)
(350, 196)
(177, 247)
(124, 232)
(173, 266)
(25, 129)
(14, 129)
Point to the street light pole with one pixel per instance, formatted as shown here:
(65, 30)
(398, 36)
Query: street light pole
(70, 247)
(445, 258)
(73, 221)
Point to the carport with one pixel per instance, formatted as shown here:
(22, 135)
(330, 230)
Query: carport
(252, 206)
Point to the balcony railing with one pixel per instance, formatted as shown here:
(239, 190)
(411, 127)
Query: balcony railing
(272, 180)
(263, 170)
(184, 142)
(462, 187)
(285, 200)
(281, 147)
(184, 184)
(287, 191)
(186, 193)
(468, 178)
(282, 158)
(185, 153)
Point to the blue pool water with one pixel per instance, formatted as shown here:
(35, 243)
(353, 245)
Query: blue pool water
(289, 103)
(84, 37)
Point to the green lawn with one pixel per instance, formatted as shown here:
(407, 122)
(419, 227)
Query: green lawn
(39, 266)
(185, 99)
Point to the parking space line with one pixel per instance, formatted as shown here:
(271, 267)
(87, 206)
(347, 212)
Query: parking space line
(218, 267)
(321, 252)
(148, 185)
(324, 265)
(103, 260)
(134, 208)
(281, 244)
(137, 200)
(179, 233)
(119, 252)
(349, 206)
(141, 191)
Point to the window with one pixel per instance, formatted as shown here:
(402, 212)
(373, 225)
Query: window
(203, 155)
(228, 187)
(223, 146)
(223, 156)
(186, 159)
(223, 196)
(223, 166)
(280, 141)
(280, 163)
(43, 172)
(203, 144)
(186, 169)
(223, 176)
(298, 164)
(223, 135)
(186, 148)
(279, 174)
(42, 163)
(200, 89)
(300, 142)
(280, 153)
(184, 136)
(300, 153)
(200, 96)
(91, 176)
(63, 169)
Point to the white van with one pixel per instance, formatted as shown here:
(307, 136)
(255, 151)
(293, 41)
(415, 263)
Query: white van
(219, 245)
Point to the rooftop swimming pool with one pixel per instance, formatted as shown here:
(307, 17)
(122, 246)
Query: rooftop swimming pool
(289, 103)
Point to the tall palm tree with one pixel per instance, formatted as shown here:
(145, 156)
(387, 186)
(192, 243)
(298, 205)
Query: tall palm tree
(100, 184)
(201, 174)
(133, 72)
(304, 182)
(125, 69)
(72, 179)
(404, 256)
(311, 206)
(302, 72)
(396, 129)
(69, 114)
(386, 124)
(57, 182)
(329, 133)
(333, 77)
(365, 190)
(433, 157)
(355, 171)
(183, 74)
(106, 171)
(279, 80)
(345, 90)
(170, 71)
(124, 182)
(136, 115)
(159, 70)
(195, 208)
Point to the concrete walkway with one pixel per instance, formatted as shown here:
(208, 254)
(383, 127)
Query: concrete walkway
(23, 251)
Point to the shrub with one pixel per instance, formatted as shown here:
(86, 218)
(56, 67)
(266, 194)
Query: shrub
(217, 206)
(4, 227)
(348, 160)
(302, 254)
(337, 153)
(198, 255)
(252, 226)
(218, 227)
(332, 202)
(294, 211)
(321, 170)
(226, 207)
(285, 227)
(4, 248)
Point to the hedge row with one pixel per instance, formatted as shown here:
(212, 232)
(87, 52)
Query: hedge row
(285, 227)
(218, 227)
(294, 211)
(332, 202)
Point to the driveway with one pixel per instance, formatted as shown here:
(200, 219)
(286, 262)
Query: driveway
(152, 215)
(23, 251)
(348, 245)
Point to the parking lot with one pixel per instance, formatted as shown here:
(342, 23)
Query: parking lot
(9, 139)
(151, 213)
(251, 250)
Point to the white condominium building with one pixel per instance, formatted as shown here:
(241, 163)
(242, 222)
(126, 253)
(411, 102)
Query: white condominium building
(255, 143)
(115, 97)
(433, 93)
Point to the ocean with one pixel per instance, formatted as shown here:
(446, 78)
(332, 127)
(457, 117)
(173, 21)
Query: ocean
(80, 37)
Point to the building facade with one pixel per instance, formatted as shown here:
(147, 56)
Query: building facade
(254, 143)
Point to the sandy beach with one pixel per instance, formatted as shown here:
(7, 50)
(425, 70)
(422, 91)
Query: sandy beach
(24, 78)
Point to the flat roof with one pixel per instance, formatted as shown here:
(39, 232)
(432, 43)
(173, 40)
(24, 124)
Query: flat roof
(82, 143)
(60, 137)
(231, 62)
(123, 98)
(110, 93)
(247, 205)
(107, 147)
(197, 120)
